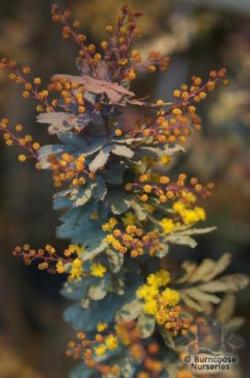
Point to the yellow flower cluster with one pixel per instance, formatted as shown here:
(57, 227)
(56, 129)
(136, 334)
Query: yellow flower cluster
(189, 216)
(158, 302)
(110, 343)
(158, 279)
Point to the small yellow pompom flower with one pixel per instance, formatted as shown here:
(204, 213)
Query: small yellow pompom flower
(171, 297)
(129, 219)
(60, 267)
(76, 271)
(158, 279)
(109, 225)
(110, 239)
(151, 307)
(100, 350)
(101, 327)
(97, 270)
(165, 159)
(146, 291)
(179, 207)
(167, 225)
(111, 342)
(200, 212)
(164, 277)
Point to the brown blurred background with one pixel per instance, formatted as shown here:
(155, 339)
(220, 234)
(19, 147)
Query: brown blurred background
(200, 35)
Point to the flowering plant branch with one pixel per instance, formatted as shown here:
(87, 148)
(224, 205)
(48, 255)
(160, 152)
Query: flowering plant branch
(121, 210)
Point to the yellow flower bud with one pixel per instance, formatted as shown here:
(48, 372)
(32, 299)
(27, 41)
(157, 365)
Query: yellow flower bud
(22, 158)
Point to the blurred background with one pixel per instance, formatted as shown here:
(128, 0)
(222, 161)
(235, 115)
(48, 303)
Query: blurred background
(200, 35)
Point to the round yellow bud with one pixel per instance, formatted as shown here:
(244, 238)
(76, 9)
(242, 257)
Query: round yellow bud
(104, 45)
(160, 102)
(109, 29)
(164, 180)
(151, 68)
(36, 146)
(81, 109)
(26, 70)
(144, 198)
(19, 127)
(118, 132)
(177, 93)
(203, 95)
(22, 158)
(39, 108)
(26, 94)
(37, 81)
(177, 111)
(147, 188)
(197, 81)
(76, 24)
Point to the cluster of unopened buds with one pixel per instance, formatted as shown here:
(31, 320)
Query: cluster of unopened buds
(67, 93)
(127, 335)
(174, 120)
(68, 168)
(123, 65)
(15, 138)
(31, 86)
(154, 61)
(69, 262)
(153, 187)
(47, 257)
(134, 240)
